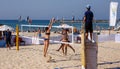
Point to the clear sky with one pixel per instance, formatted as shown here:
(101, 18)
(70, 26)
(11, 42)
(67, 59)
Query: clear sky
(46, 9)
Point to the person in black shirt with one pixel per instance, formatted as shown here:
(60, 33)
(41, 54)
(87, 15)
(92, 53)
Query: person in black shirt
(8, 38)
(88, 19)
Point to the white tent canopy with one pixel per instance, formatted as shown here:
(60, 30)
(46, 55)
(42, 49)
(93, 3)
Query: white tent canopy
(5, 27)
(65, 26)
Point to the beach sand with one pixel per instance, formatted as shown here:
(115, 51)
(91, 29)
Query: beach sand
(31, 57)
(109, 55)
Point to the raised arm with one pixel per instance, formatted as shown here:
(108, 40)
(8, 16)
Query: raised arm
(51, 23)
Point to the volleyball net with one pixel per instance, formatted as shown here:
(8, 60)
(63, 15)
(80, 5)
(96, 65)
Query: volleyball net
(54, 37)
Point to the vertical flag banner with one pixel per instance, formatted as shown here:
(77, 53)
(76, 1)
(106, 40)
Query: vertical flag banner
(113, 13)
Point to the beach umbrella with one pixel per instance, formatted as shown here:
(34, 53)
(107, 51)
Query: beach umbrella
(5, 27)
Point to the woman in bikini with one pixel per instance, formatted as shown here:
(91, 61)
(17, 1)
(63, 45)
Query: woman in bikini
(65, 38)
(47, 36)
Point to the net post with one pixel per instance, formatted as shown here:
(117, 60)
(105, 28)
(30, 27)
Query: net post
(17, 38)
(83, 57)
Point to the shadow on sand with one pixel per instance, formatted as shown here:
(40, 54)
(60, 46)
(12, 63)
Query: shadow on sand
(114, 68)
(108, 63)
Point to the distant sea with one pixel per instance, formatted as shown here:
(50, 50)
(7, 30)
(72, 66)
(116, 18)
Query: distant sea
(13, 23)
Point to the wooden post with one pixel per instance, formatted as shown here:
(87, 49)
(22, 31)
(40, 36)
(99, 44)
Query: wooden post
(89, 51)
(17, 36)
(83, 56)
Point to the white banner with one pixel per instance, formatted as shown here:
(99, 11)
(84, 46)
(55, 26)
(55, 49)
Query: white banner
(113, 13)
(117, 38)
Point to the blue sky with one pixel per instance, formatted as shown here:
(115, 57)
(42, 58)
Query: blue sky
(46, 9)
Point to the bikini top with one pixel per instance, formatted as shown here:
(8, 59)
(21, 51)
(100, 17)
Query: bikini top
(47, 33)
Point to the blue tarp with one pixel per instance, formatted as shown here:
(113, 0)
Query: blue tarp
(2, 43)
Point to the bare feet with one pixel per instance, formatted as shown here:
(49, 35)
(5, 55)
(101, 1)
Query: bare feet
(44, 55)
(48, 58)
(57, 50)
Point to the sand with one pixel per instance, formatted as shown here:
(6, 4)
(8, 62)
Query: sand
(109, 55)
(31, 57)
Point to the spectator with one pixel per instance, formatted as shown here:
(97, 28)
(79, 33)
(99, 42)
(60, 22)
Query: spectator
(8, 38)
(88, 20)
